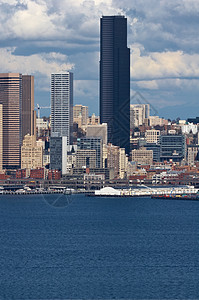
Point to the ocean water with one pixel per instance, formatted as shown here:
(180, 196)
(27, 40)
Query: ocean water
(79, 247)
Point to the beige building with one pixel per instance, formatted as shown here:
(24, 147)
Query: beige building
(31, 153)
(98, 130)
(152, 136)
(94, 120)
(111, 157)
(155, 120)
(123, 163)
(80, 115)
(192, 152)
(86, 158)
(142, 156)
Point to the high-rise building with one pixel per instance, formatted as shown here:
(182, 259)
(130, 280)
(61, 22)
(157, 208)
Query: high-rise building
(11, 99)
(62, 105)
(115, 80)
(28, 112)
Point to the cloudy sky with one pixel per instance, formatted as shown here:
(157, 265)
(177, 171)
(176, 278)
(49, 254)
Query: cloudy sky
(39, 37)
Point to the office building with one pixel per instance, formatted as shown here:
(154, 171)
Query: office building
(28, 112)
(92, 143)
(172, 147)
(62, 105)
(142, 156)
(115, 80)
(152, 136)
(99, 130)
(31, 153)
(86, 158)
(11, 99)
(58, 154)
(156, 151)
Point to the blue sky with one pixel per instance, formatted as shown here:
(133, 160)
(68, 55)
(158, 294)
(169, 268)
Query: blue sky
(40, 37)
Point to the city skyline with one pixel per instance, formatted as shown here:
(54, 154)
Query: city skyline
(42, 37)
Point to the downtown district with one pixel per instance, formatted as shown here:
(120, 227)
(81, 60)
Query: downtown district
(125, 145)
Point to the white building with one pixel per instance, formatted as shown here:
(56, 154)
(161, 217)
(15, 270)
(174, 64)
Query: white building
(188, 128)
(62, 105)
(138, 114)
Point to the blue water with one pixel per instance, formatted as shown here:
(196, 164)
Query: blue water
(98, 248)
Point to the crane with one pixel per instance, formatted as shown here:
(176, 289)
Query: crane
(38, 109)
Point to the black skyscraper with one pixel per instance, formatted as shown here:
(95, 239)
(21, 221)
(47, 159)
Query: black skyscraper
(115, 80)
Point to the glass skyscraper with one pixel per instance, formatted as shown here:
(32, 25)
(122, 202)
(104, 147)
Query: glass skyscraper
(62, 105)
(115, 80)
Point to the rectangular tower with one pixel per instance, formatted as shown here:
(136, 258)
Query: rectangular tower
(115, 80)
(62, 105)
(11, 99)
(28, 114)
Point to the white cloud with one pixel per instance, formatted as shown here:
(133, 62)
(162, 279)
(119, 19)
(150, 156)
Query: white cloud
(41, 65)
(163, 65)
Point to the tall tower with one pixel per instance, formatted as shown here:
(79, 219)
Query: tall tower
(11, 100)
(115, 80)
(62, 105)
(28, 112)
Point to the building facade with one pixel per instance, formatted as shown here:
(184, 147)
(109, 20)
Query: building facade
(80, 115)
(192, 154)
(99, 130)
(152, 136)
(115, 80)
(58, 154)
(92, 143)
(28, 112)
(11, 100)
(31, 153)
(86, 158)
(142, 156)
(172, 147)
(138, 114)
(62, 105)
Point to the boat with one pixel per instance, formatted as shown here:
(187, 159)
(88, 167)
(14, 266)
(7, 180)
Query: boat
(177, 197)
